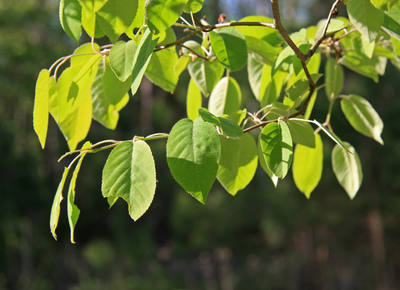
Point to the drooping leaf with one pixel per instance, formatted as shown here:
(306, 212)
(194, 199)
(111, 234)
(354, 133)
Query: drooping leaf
(334, 78)
(77, 124)
(142, 58)
(160, 70)
(254, 72)
(227, 127)
(360, 66)
(181, 64)
(238, 163)
(70, 18)
(302, 133)
(193, 100)
(365, 17)
(161, 14)
(73, 210)
(307, 166)
(91, 25)
(193, 6)
(226, 97)
(121, 59)
(138, 21)
(114, 89)
(362, 116)
(41, 106)
(264, 164)
(277, 146)
(230, 48)
(130, 173)
(205, 74)
(193, 153)
(116, 16)
(347, 168)
(55, 208)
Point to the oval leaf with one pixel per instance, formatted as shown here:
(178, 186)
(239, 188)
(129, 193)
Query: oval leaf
(121, 59)
(205, 74)
(230, 48)
(238, 164)
(193, 100)
(347, 168)
(277, 149)
(130, 173)
(193, 153)
(334, 78)
(41, 106)
(225, 98)
(161, 14)
(307, 166)
(70, 18)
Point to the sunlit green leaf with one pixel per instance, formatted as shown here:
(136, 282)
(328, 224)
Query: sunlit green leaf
(193, 6)
(41, 106)
(334, 26)
(121, 59)
(55, 208)
(91, 25)
(70, 18)
(227, 127)
(360, 66)
(161, 14)
(193, 153)
(205, 74)
(181, 64)
(114, 89)
(277, 146)
(334, 78)
(130, 173)
(238, 163)
(261, 50)
(307, 166)
(138, 21)
(193, 100)
(226, 97)
(347, 168)
(264, 164)
(362, 116)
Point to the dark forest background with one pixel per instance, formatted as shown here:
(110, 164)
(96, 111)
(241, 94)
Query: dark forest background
(263, 238)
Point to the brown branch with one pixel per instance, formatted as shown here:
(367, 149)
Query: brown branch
(192, 51)
(262, 124)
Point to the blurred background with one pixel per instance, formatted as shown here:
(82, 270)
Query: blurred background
(263, 238)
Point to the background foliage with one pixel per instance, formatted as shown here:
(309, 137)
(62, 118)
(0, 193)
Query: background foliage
(261, 237)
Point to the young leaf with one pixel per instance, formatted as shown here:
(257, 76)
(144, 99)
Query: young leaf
(130, 173)
(238, 164)
(160, 70)
(347, 168)
(365, 17)
(41, 106)
(277, 149)
(77, 124)
(362, 116)
(193, 153)
(161, 14)
(264, 164)
(73, 210)
(230, 48)
(193, 6)
(116, 16)
(122, 58)
(193, 100)
(307, 166)
(334, 78)
(142, 58)
(55, 208)
(205, 74)
(226, 97)
(70, 18)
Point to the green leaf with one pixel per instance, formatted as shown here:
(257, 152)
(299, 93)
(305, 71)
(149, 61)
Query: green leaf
(334, 78)
(193, 153)
(277, 148)
(142, 58)
(265, 33)
(302, 133)
(91, 25)
(365, 17)
(295, 92)
(70, 18)
(161, 14)
(205, 74)
(103, 111)
(286, 55)
(73, 210)
(226, 97)
(130, 173)
(347, 168)
(55, 208)
(138, 21)
(181, 64)
(238, 163)
(41, 106)
(190, 45)
(254, 73)
(334, 26)
(264, 164)
(193, 6)
(92, 6)
(114, 89)
(297, 66)
(160, 70)
(360, 66)
(307, 166)
(261, 50)
(116, 16)
(227, 127)
(362, 116)
(230, 48)
(77, 124)
(122, 59)
(391, 23)
(193, 100)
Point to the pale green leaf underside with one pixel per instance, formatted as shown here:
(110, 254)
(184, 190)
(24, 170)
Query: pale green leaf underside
(130, 173)
(347, 168)
(193, 153)
(225, 98)
(41, 106)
